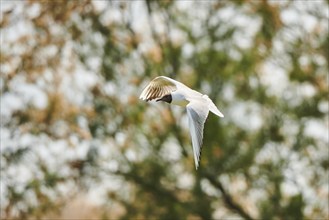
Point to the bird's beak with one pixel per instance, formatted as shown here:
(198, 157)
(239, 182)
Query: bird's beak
(163, 98)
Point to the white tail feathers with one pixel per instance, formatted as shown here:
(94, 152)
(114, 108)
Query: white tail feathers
(212, 107)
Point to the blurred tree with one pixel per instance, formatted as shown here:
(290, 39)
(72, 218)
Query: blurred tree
(72, 124)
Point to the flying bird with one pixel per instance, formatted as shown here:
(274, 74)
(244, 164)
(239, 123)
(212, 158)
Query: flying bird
(197, 105)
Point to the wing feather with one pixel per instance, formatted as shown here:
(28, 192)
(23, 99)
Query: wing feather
(158, 87)
(197, 116)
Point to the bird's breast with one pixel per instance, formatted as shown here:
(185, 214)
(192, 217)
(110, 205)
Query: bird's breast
(179, 99)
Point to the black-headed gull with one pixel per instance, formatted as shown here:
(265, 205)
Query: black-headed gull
(165, 89)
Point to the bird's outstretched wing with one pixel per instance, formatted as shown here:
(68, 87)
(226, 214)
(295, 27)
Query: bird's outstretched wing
(159, 87)
(197, 115)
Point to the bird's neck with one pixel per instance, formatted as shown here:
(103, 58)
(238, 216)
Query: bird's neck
(178, 99)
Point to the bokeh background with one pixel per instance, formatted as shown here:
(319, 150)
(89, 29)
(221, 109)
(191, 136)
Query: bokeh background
(77, 143)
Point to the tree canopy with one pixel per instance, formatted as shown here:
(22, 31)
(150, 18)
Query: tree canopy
(76, 142)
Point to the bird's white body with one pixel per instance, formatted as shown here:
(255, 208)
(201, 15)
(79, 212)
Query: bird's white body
(179, 98)
(197, 105)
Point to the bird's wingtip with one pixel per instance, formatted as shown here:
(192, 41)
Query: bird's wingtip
(196, 165)
(142, 97)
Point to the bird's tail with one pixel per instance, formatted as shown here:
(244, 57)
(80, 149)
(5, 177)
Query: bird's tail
(212, 107)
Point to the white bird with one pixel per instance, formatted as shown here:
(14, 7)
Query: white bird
(165, 89)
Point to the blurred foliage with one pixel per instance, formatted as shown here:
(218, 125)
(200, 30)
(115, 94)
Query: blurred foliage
(90, 60)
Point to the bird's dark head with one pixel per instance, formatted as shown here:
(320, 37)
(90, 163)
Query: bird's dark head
(166, 98)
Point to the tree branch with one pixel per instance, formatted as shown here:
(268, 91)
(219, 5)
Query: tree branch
(230, 203)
